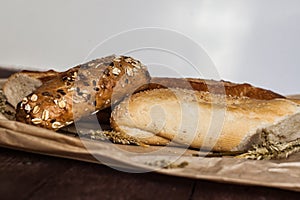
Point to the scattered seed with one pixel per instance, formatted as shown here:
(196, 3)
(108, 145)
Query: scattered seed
(128, 60)
(71, 89)
(24, 100)
(35, 110)
(27, 107)
(95, 112)
(56, 125)
(62, 104)
(68, 123)
(136, 66)
(36, 121)
(34, 97)
(75, 74)
(45, 115)
(62, 92)
(91, 64)
(85, 91)
(129, 71)
(116, 71)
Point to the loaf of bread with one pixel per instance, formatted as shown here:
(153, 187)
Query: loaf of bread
(201, 119)
(211, 86)
(81, 91)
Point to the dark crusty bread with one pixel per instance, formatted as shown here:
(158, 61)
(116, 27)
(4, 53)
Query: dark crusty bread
(214, 87)
(81, 91)
(201, 119)
(23, 83)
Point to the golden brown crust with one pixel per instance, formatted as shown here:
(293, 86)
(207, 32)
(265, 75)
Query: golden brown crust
(81, 91)
(187, 117)
(215, 87)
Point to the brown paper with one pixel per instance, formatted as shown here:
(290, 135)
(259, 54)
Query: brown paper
(284, 174)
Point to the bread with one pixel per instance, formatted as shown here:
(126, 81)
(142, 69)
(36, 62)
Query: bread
(23, 83)
(81, 91)
(201, 119)
(214, 87)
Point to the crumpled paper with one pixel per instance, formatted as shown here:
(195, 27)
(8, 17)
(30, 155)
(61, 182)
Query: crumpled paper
(284, 174)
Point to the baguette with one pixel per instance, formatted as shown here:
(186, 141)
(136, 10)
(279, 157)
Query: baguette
(214, 87)
(203, 120)
(81, 91)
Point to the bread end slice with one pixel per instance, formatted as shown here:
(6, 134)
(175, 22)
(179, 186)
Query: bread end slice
(23, 83)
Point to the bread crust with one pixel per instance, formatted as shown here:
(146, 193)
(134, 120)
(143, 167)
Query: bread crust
(214, 87)
(82, 90)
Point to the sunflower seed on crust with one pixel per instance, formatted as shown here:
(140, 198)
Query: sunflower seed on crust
(116, 71)
(57, 125)
(45, 115)
(68, 123)
(35, 110)
(36, 121)
(129, 71)
(136, 66)
(27, 107)
(34, 98)
(62, 104)
(24, 100)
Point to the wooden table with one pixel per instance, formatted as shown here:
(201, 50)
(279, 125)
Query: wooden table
(31, 176)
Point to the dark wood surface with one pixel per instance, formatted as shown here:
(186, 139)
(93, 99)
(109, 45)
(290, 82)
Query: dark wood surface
(31, 176)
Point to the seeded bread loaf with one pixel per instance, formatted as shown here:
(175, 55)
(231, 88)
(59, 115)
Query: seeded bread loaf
(202, 119)
(23, 83)
(81, 91)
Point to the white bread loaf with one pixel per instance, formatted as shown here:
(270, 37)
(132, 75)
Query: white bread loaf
(204, 120)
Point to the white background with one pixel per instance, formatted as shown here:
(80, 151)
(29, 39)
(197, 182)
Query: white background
(255, 41)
